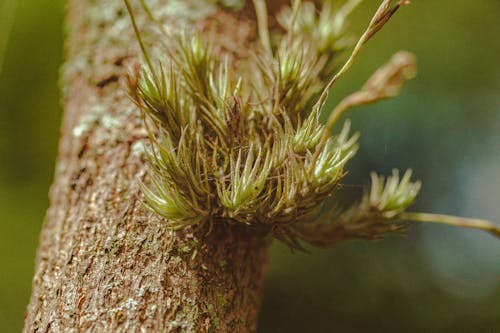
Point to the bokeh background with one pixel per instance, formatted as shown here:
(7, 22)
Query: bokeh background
(445, 125)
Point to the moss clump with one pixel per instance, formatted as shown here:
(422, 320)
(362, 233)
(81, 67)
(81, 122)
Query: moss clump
(242, 141)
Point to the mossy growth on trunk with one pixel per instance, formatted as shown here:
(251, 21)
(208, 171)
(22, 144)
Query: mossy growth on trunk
(240, 141)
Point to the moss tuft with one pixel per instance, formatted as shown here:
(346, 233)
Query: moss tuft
(242, 141)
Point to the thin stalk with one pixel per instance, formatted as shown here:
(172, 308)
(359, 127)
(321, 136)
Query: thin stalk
(152, 17)
(147, 10)
(261, 12)
(454, 221)
(381, 16)
(295, 10)
(139, 39)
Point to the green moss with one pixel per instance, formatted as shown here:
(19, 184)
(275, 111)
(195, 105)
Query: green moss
(222, 263)
(213, 315)
(219, 296)
(189, 246)
(210, 164)
(186, 320)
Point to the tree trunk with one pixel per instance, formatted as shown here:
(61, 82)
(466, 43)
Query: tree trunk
(104, 263)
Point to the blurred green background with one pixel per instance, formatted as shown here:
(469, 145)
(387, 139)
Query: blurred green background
(446, 126)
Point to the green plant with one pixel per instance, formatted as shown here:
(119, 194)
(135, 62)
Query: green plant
(243, 143)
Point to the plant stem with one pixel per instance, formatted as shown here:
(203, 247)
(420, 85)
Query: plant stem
(295, 11)
(139, 38)
(261, 12)
(153, 18)
(382, 15)
(454, 221)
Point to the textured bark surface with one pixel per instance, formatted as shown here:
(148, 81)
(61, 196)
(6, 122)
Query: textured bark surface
(104, 264)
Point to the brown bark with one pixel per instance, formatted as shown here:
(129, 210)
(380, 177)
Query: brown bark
(105, 264)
